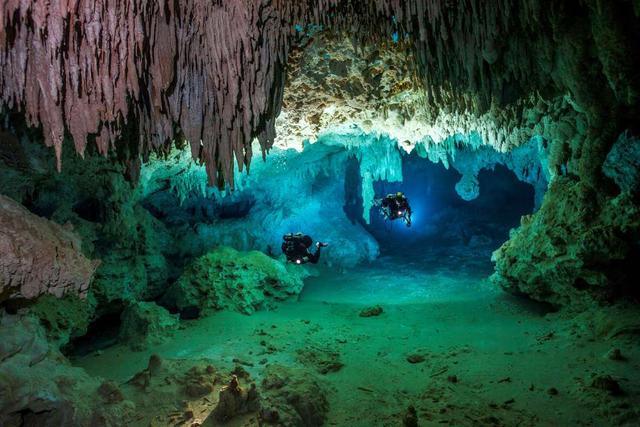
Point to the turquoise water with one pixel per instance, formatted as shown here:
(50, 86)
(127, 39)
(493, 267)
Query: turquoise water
(401, 280)
(439, 307)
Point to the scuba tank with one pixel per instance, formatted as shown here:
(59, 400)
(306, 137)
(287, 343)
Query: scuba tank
(291, 242)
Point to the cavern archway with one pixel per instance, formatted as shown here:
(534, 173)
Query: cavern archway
(443, 220)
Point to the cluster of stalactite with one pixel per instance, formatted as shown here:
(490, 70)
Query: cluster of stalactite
(141, 74)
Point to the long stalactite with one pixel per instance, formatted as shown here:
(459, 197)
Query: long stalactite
(213, 72)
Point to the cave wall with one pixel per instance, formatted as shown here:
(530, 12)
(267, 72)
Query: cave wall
(91, 199)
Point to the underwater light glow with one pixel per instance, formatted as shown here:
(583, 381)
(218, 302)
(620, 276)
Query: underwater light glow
(441, 216)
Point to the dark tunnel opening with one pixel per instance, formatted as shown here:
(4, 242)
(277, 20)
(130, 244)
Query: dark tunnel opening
(102, 333)
(444, 226)
(167, 207)
(90, 209)
(236, 210)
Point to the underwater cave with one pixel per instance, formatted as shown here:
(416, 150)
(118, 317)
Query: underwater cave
(384, 213)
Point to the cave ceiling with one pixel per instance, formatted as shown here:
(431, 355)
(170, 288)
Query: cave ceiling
(134, 76)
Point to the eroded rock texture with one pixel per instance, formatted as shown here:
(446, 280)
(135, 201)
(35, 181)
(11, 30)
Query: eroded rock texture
(241, 281)
(332, 84)
(293, 397)
(144, 324)
(572, 251)
(38, 387)
(213, 73)
(39, 256)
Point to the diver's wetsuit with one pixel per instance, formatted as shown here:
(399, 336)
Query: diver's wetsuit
(394, 204)
(313, 258)
(296, 248)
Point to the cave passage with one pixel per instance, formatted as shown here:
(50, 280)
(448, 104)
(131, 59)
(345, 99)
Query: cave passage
(155, 158)
(444, 225)
(446, 253)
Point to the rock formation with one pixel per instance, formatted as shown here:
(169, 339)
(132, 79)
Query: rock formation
(292, 397)
(37, 386)
(572, 250)
(166, 79)
(234, 400)
(622, 164)
(228, 279)
(145, 323)
(39, 256)
(64, 318)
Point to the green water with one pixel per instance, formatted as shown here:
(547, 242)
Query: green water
(494, 345)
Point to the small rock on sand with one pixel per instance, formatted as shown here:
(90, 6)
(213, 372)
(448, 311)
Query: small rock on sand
(615, 354)
(607, 383)
(410, 418)
(415, 358)
(376, 310)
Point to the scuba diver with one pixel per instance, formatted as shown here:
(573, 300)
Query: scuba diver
(395, 206)
(296, 248)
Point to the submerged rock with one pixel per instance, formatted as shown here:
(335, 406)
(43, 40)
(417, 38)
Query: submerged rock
(571, 252)
(615, 354)
(292, 397)
(199, 381)
(376, 310)
(323, 360)
(416, 358)
(39, 256)
(240, 281)
(145, 323)
(39, 387)
(63, 318)
(607, 383)
(410, 418)
(234, 400)
(110, 392)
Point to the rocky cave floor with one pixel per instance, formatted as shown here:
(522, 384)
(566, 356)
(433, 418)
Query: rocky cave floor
(446, 348)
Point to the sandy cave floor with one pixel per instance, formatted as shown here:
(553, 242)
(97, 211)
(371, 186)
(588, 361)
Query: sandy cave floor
(489, 358)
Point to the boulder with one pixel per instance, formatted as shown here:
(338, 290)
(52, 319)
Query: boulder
(145, 323)
(292, 397)
(232, 280)
(39, 256)
(39, 387)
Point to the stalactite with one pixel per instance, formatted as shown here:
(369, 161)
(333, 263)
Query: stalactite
(213, 71)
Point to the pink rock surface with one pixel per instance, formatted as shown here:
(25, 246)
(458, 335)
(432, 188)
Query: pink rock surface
(213, 71)
(38, 256)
